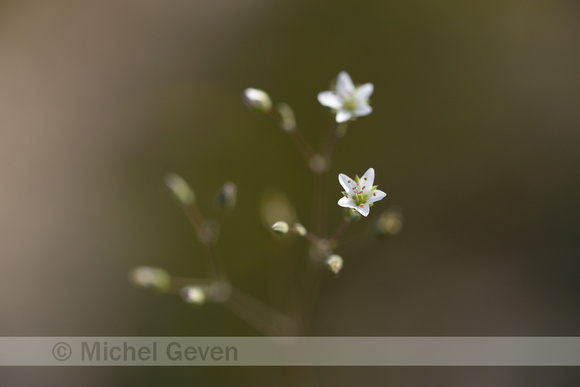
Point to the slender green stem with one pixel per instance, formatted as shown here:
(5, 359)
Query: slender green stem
(318, 205)
(194, 217)
(355, 243)
(259, 315)
(212, 248)
(206, 237)
(178, 283)
(337, 132)
(310, 288)
(299, 141)
(341, 227)
(303, 146)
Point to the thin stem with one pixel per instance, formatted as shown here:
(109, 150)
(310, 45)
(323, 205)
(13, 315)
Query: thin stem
(337, 132)
(205, 235)
(212, 249)
(313, 239)
(341, 227)
(312, 278)
(249, 317)
(310, 290)
(318, 205)
(355, 243)
(302, 145)
(195, 217)
(178, 283)
(263, 318)
(259, 315)
(322, 245)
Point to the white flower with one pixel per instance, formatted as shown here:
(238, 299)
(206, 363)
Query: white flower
(360, 193)
(348, 100)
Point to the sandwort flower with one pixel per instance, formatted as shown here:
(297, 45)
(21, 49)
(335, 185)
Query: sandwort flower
(348, 100)
(359, 193)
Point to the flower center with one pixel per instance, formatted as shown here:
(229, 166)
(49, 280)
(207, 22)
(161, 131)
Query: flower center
(360, 197)
(349, 104)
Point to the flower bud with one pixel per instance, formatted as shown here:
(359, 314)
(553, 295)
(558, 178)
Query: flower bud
(150, 277)
(287, 119)
(226, 197)
(280, 227)
(334, 263)
(300, 229)
(193, 295)
(180, 189)
(257, 99)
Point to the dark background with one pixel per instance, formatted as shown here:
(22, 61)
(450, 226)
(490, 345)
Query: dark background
(474, 136)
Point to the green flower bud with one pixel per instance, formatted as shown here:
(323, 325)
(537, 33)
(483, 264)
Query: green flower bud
(280, 227)
(193, 295)
(150, 277)
(334, 263)
(300, 229)
(226, 197)
(287, 119)
(180, 189)
(257, 99)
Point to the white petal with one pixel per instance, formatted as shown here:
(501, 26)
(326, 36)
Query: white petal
(344, 85)
(329, 99)
(376, 196)
(343, 116)
(346, 202)
(364, 210)
(368, 179)
(365, 91)
(362, 110)
(346, 183)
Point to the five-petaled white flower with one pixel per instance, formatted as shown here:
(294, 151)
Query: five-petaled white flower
(360, 193)
(348, 100)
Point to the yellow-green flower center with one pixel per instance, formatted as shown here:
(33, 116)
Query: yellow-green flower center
(350, 104)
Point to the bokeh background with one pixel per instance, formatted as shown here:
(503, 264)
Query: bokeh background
(474, 136)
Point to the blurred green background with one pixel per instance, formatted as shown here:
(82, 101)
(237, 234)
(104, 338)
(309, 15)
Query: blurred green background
(474, 136)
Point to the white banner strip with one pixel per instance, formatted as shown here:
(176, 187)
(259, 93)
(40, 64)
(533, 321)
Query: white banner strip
(289, 351)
